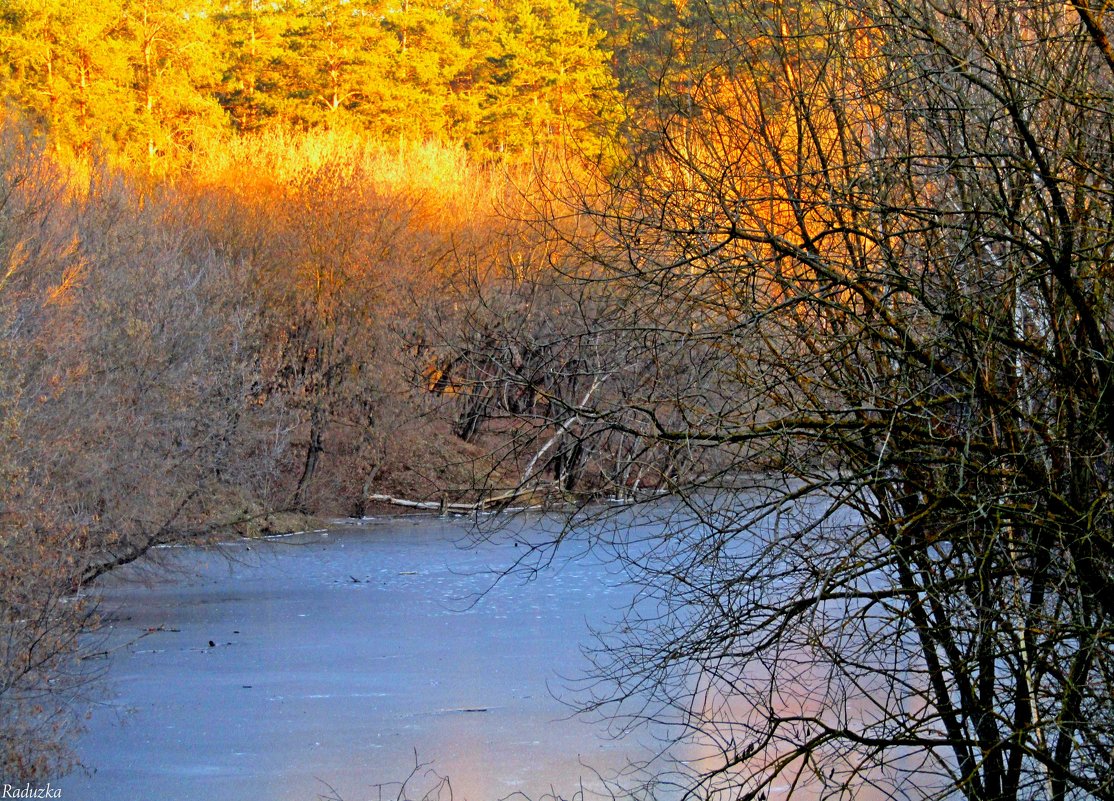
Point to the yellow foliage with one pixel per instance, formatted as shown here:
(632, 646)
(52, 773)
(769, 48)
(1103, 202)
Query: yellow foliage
(439, 172)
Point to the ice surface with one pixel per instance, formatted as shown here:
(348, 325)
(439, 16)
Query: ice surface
(335, 658)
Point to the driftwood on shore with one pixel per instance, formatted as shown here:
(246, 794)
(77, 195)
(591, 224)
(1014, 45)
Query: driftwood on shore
(444, 506)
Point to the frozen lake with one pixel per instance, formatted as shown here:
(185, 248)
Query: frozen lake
(317, 665)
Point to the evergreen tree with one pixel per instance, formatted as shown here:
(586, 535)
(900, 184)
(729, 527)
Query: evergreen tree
(253, 56)
(336, 53)
(64, 67)
(174, 76)
(540, 75)
(135, 76)
(429, 54)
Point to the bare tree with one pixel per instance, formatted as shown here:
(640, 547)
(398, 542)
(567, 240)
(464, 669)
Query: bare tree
(129, 351)
(881, 234)
(41, 557)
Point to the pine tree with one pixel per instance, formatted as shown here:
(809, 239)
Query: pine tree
(428, 55)
(335, 56)
(174, 77)
(64, 64)
(540, 75)
(253, 55)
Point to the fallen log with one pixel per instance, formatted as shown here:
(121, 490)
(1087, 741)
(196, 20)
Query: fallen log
(445, 507)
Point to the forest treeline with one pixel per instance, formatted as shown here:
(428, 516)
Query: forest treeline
(159, 82)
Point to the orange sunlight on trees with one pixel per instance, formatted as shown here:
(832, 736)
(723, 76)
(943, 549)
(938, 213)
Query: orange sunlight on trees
(834, 277)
